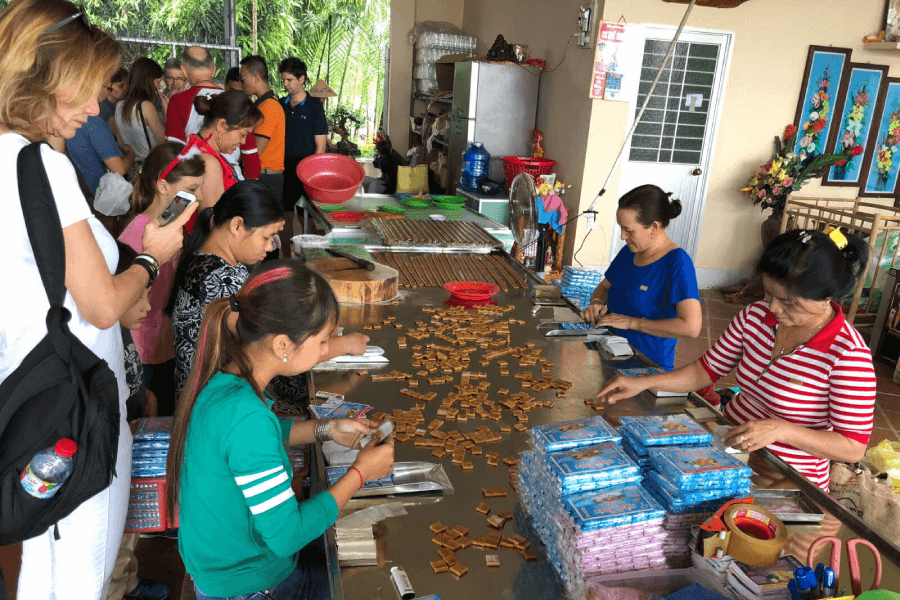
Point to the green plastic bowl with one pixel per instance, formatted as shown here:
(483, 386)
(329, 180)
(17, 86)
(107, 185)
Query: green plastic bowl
(458, 200)
(416, 203)
(447, 205)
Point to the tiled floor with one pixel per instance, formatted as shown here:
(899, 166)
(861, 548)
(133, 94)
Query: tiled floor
(716, 315)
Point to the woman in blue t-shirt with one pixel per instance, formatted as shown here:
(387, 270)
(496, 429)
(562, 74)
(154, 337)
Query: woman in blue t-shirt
(649, 293)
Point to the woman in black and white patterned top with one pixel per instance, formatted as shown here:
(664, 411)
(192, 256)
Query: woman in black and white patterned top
(229, 238)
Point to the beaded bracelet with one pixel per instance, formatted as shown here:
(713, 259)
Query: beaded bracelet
(362, 482)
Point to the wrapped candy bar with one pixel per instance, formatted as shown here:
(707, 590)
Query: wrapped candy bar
(592, 468)
(696, 468)
(611, 508)
(557, 437)
(659, 430)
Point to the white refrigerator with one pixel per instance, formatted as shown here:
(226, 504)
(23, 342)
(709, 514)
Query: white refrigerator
(495, 104)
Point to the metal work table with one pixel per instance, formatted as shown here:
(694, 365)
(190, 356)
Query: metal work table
(406, 540)
(350, 232)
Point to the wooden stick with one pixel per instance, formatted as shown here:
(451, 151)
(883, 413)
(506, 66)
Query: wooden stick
(387, 259)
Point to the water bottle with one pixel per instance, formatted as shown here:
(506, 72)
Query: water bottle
(476, 164)
(49, 469)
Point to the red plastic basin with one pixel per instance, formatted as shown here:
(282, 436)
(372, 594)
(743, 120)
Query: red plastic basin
(471, 290)
(330, 178)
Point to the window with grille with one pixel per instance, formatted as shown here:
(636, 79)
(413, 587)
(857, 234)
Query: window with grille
(670, 131)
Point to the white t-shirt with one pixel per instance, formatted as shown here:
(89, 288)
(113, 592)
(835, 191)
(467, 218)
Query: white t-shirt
(133, 133)
(24, 303)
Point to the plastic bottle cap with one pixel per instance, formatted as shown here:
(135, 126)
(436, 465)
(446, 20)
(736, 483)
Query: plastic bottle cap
(65, 447)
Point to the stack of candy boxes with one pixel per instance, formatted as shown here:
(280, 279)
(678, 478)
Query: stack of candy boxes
(598, 512)
(690, 478)
(586, 504)
(577, 285)
(151, 447)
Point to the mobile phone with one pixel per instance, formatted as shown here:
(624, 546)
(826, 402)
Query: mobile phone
(180, 202)
(380, 435)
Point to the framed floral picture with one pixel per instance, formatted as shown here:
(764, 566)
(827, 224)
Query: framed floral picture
(855, 108)
(826, 71)
(882, 162)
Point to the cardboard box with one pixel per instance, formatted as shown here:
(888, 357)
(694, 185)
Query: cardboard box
(445, 69)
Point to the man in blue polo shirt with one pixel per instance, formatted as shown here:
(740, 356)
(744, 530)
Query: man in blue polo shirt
(94, 151)
(305, 130)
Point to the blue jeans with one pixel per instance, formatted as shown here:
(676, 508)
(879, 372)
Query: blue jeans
(306, 582)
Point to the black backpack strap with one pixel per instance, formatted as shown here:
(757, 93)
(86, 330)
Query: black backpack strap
(46, 237)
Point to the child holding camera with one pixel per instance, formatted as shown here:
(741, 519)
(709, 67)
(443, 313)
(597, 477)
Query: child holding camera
(164, 176)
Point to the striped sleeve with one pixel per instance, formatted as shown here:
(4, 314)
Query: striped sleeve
(852, 395)
(255, 455)
(726, 353)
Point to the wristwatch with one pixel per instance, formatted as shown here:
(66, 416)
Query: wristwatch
(150, 264)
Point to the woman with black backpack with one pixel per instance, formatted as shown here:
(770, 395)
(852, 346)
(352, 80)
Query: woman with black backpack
(53, 62)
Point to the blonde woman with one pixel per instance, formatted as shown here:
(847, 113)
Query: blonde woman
(53, 63)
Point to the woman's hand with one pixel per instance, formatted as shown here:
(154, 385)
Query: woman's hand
(355, 343)
(621, 387)
(754, 435)
(594, 311)
(376, 460)
(350, 432)
(618, 321)
(162, 243)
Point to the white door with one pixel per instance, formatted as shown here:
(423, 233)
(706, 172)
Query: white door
(673, 144)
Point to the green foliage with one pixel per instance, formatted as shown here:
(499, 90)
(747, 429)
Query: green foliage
(341, 41)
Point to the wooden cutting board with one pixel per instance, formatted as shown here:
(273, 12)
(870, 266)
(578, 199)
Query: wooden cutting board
(354, 285)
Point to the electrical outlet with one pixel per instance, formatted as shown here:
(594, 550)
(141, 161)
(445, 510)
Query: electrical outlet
(585, 22)
(591, 217)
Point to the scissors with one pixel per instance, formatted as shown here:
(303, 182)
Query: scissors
(852, 560)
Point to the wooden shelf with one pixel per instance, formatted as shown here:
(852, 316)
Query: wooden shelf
(881, 46)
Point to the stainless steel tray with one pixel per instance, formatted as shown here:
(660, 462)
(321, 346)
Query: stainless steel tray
(788, 505)
(407, 478)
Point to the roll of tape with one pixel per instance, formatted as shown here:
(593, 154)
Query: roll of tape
(757, 537)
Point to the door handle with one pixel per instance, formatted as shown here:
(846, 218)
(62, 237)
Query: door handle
(697, 171)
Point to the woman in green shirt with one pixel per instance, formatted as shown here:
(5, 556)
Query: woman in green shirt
(228, 470)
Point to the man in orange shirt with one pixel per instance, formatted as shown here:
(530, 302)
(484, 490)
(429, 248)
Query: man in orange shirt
(269, 137)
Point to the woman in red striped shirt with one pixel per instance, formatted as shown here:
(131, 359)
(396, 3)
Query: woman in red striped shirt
(807, 383)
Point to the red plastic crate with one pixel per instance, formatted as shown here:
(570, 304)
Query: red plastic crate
(147, 506)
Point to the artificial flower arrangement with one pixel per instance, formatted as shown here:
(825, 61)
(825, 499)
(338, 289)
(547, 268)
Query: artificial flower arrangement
(853, 129)
(546, 185)
(817, 117)
(788, 172)
(887, 147)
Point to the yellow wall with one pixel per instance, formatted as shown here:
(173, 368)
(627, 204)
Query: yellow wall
(564, 108)
(771, 40)
(404, 15)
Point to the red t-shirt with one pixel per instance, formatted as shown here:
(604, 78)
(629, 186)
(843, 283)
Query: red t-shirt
(826, 384)
(177, 116)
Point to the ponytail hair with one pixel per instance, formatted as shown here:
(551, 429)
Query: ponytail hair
(651, 204)
(235, 107)
(811, 266)
(250, 200)
(283, 297)
(157, 161)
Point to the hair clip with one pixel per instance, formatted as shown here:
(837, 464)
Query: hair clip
(839, 239)
(189, 151)
(234, 303)
(805, 236)
(208, 97)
